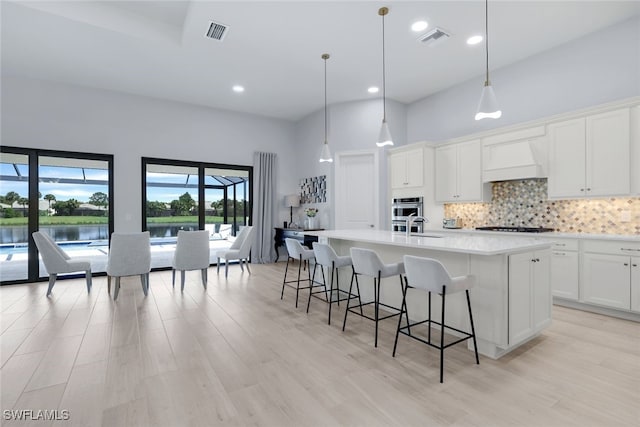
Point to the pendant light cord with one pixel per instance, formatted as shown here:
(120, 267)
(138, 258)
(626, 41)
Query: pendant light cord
(486, 37)
(384, 83)
(325, 99)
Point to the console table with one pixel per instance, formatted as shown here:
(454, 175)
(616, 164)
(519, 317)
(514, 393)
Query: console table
(294, 233)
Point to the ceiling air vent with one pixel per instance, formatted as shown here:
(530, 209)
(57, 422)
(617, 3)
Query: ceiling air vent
(433, 37)
(217, 31)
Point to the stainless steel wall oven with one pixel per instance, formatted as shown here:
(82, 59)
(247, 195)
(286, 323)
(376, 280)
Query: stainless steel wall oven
(401, 208)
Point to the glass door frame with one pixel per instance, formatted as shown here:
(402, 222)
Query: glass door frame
(33, 221)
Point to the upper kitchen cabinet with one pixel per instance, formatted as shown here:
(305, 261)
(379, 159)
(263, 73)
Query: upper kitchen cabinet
(635, 149)
(406, 167)
(589, 156)
(459, 172)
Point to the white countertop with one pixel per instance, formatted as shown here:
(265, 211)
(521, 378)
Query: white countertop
(447, 242)
(549, 235)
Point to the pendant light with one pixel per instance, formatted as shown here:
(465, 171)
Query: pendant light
(325, 153)
(488, 106)
(384, 138)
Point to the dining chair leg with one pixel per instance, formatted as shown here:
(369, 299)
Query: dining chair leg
(52, 281)
(89, 282)
(226, 268)
(204, 273)
(182, 274)
(241, 267)
(246, 263)
(143, 280)
(117, 288)
(218, 267)
(173, 278)
(108, 284)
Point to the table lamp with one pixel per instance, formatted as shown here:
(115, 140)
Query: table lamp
(291, 201)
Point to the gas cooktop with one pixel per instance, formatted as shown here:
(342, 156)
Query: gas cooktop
(515, 229)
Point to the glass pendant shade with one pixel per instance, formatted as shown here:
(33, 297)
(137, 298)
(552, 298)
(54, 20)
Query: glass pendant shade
(325, 154)
(385, 136)
(488, 106)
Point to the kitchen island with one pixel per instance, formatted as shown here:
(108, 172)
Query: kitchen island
(511, 302)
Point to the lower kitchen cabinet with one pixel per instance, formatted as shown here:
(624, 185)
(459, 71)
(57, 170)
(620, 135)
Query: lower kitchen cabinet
(565, 266)
(606, 280)
(635, 284)
(529, 294)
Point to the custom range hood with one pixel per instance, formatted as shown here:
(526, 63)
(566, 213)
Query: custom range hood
(515, 155)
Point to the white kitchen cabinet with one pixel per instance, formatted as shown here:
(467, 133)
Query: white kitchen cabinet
(407, 168)
(610, 273)
(589, 156)
(606, 280)
(565, 267)
(459, 172)
(529, 294)
(635, 284)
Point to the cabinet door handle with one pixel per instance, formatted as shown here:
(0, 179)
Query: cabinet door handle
(634, 265)
(588, 189)
(560, 253)
(582, 189)
(561, 244)
(626, 264)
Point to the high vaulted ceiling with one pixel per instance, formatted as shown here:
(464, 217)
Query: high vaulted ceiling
(273, 49)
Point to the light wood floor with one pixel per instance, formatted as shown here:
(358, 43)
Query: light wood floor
(238, 355)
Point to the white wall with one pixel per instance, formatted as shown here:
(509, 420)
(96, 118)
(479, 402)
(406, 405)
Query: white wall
(593, 70)
(46, 115)
(352, 126)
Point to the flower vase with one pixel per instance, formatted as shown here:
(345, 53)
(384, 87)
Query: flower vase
(311, 222)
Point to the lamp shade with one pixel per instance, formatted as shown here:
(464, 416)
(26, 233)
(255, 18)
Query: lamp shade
(325, 154)
(488, 106)
(292, 201)
(385, 136)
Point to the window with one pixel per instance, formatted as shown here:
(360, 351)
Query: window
(67, 195)
(173, 191)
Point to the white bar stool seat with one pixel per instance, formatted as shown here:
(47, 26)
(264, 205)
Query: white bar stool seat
(430, 275)
(367, 263)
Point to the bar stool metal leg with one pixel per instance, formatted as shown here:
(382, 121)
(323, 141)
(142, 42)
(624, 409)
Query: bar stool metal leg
(284, 281)
(402, 308)
(444, 293)
(344, 322)
(376, 296)
(473, 330)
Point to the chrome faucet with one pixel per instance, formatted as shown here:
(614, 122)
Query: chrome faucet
(410, 220)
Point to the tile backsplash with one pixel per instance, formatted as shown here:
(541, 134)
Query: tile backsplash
(524, 203)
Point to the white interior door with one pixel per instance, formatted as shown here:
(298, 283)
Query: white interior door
(357, 190)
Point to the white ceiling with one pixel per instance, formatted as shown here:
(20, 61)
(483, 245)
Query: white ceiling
(158, 48)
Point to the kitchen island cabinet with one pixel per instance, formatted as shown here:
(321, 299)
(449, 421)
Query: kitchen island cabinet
(489, 259)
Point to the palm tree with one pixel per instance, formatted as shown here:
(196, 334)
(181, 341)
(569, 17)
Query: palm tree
(11, 197)
(49, 198)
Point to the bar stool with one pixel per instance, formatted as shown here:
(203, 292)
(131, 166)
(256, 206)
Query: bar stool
(327, 257)
(430, 275)
(367, 263)
(303, 255)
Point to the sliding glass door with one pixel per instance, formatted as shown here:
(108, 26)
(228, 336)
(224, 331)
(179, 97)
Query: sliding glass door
(67, 195)
(181, 195)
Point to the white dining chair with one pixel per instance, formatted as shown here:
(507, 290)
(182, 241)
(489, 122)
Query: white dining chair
(240, 250)
(192, 253)
(56, 261)
(430, 275)
(129, 255)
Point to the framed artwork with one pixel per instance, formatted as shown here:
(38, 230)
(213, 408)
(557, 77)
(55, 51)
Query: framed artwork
(314, 189)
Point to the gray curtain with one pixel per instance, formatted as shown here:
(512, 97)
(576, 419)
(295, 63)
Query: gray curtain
(264, 185)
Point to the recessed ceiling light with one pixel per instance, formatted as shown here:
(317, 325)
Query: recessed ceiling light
(238, 89)
(419, 26)
(474, 40)
(373, 89)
